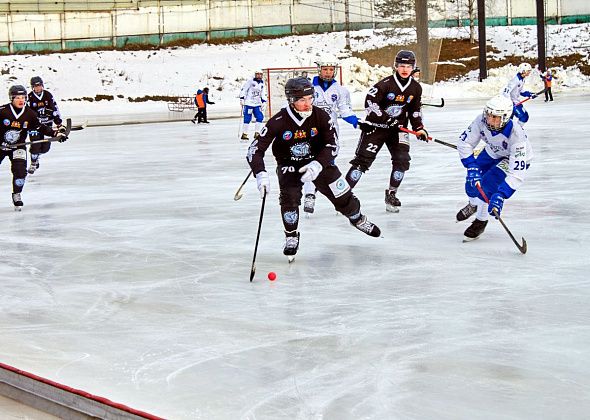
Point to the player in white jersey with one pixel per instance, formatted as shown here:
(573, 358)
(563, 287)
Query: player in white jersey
(499, 169)
(335, 100)
(514, 90)
(252, 96)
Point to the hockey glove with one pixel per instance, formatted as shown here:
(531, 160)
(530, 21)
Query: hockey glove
(526, 94)
(263, 182)
(496, 202)
(473, 176)
(352, 119)
(310, 171)
(60, 134)
(422, 134)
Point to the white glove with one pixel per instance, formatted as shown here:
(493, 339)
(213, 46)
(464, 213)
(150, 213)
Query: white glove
(263, 182)
(310, 171)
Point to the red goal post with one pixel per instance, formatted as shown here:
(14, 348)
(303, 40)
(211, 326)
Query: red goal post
(275, 79)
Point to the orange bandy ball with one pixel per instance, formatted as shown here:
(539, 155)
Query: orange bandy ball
(272, 276)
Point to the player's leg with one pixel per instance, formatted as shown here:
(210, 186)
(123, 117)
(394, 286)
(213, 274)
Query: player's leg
(331, 183)
(366, 151)
(18, 166)
(247, 118)
(259, 118)
(399, 150)
(290, 200)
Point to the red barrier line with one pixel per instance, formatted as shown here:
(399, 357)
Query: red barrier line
(81, 393)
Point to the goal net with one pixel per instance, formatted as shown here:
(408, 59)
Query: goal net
(276, 78)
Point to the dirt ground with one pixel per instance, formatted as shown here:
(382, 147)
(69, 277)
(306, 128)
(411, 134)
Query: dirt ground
(465, 54)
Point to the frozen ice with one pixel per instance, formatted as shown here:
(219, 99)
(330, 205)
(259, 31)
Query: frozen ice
(127, 275)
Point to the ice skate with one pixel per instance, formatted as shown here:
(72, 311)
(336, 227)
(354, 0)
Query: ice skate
(367, 227)
(244, 137)
(17, 201)
(466, 212)
(475, 230)
(33, 167)
(309, 203)
(256, 136)
(291, 245)
(193, 121)
(392, 203)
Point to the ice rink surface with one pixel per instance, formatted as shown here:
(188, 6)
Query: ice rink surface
(126, 275)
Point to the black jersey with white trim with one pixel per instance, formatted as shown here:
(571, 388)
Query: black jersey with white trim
(296, 141)
(16, 123)
(45, 106)
(395, 99)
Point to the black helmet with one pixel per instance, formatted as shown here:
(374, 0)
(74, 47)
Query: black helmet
(405, 57)
(36, 80)
(298, 88)
(16, 90)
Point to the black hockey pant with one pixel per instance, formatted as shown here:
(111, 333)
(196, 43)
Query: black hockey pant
(370, 142)
(330, 182)
(18, 166)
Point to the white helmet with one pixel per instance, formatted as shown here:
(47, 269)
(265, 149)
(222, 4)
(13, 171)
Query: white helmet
(258, 72)
(327, 62)
(523, 67)
(498, 106)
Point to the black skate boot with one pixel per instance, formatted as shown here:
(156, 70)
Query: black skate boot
(17, 201)
(309, 203)
(475, 230)
(244, 137)
(364, 225)
(392, 203)
(33, 167)
(466, 212)
(291, 245)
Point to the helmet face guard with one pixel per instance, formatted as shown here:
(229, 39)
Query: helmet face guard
(498, 106)
(327, 63)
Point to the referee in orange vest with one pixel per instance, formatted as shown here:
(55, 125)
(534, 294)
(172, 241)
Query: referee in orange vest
(201, 101)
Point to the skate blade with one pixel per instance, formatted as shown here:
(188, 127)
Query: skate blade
(466, 239)
(392, 209)
(18, 208)
(291, 258)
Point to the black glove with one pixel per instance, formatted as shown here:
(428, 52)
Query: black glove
(422, 134)
(60, 134)
(211, 103)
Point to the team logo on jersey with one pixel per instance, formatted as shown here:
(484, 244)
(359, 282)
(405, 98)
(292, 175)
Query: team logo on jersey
(15, 124)
(287, 135)
(34, 104)
(391, 96)
(300, 134)
(313, 132)
(11, 136)
(394, 110)
(300, 150)
(26, 124)
(519, 152)
(373, 107)
(410, 98)
(334, 97)
(290, 217)
(252, 150)
(400, 98)
(505, 145)
(6, 122)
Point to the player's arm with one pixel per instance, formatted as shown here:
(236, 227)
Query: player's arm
(56, 113)
(415, 115)
(468, 140)
(259, 146)
(345, 108)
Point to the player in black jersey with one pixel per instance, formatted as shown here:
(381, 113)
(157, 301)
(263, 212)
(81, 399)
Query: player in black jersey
(304, 144)
(43, 102)
(390, 103)
(17, 121)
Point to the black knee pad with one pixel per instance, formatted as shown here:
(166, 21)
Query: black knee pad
(290, 197)
(401, 159)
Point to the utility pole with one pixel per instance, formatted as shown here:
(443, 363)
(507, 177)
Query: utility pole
(347, 23)
(541, 34)
(481, 26)
(422, 38)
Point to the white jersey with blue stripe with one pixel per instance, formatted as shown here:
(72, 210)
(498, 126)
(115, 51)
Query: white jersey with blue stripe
(335, 99)
(514, 88)
(511, 144)
(253, 92)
